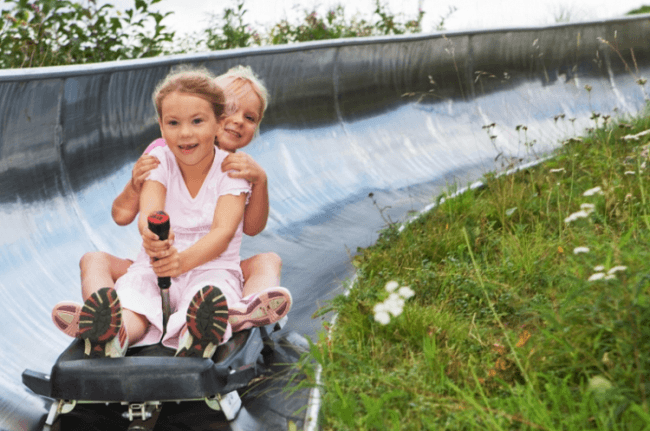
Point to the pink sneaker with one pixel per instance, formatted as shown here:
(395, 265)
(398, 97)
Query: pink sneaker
(259, 309)
(65, 316)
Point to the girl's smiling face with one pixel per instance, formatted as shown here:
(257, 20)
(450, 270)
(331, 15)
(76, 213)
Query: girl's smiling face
(239, 126)
(189, 126)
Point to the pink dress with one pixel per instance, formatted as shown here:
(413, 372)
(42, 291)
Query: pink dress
(191, 219)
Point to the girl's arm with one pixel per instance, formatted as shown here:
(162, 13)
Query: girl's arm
(127, 204)
(227, 216)
(257, 210)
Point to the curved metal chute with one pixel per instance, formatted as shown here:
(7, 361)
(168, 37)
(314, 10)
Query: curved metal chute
(402, 118)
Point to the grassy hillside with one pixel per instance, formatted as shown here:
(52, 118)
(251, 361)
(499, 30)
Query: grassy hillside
(530, 305)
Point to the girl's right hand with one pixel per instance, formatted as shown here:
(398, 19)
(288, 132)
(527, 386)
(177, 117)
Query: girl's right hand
(155, 248)
(141, 170)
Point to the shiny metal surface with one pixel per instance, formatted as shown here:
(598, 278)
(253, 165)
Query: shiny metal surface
(399, 117)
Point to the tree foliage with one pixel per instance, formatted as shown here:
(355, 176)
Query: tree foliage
(37, 33)
(639, 10)
(53, 32)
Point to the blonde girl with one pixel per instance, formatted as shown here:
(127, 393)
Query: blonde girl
(247, 98)
(206, 208)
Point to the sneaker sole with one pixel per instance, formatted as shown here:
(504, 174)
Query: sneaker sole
(100, 324)
(263, 309)
(65, 316)
(207, 321)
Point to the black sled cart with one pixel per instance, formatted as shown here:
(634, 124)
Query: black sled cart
(139, 383)
(149, 376)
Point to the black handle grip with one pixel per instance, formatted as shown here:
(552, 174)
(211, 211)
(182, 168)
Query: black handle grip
(159, 224)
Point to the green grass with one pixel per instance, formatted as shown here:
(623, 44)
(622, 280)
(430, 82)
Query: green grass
(505, 331)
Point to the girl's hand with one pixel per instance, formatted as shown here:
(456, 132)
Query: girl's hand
(168, 266)
(141, 170)
(244, 167)
(155, 248)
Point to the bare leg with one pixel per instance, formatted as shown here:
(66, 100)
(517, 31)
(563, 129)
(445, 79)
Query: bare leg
(261, 272)
(100, 269)
(265, 301)
(136, 325)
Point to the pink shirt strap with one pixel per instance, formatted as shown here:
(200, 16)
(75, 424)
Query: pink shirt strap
(160, 142)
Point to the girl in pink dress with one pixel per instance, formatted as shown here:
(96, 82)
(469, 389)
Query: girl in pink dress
(246, 99)
(206, 209)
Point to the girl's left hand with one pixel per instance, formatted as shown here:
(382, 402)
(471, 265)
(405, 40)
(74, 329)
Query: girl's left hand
(169, 264)
(243, 166)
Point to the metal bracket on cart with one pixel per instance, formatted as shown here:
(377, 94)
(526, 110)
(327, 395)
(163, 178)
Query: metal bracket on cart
(229, 404)
(59, 408)
(142, 411)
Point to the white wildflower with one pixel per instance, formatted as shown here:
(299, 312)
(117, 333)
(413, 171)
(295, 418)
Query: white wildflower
(617, 269)
(394, 309)
(591, 192)
(596, 276)
(511, 211)
(630, 173)
(599, 268)
(405, 292)
(637, 136)
(394, 304)
(391, 286)
(382, 317)
(589, 208)
(610, 277)
(557, 170)
(579, 250)
(576, 216)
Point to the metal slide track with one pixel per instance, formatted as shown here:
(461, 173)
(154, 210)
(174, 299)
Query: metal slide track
(399, 117)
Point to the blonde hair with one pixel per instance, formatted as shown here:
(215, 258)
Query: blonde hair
(198, 82)
(240, 77)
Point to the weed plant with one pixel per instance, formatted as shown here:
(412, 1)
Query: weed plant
(36, 33)
(232, 30)
(530, 310)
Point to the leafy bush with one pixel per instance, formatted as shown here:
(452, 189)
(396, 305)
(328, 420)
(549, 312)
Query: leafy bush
(37, 33)
(639, 10)
(231, 30)
(51, 32)
(335, 25)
